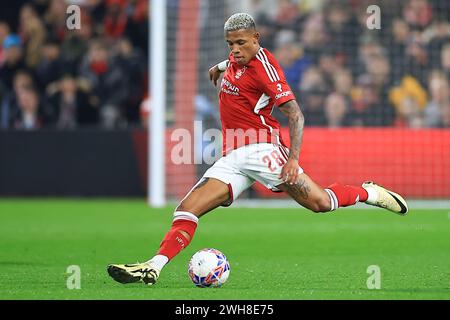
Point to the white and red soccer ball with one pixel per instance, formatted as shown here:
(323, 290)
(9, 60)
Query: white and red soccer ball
(209, 268)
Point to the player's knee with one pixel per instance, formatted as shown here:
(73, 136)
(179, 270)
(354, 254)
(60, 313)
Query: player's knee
(193, 204)
(188, 206)
(321, 205)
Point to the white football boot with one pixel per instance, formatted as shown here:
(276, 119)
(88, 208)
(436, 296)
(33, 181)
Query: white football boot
(383, 198)
(128, 273)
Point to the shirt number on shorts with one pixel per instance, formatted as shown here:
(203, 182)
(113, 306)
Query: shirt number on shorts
(273, 159)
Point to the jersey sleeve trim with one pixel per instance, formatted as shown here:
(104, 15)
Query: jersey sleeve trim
(270, 69)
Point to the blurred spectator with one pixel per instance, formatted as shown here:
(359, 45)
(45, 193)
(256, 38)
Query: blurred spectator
(313, 79)
(409, 99)
(267, 30)
(116, 18)
(206, 112)
(336, 110)
(33, 34)
(293, 61)
(55, 19)
(313, 102)
(13, 59)
(313, 36)
(51, 66)
(342, 30)
(75, 44)
(29, 115)
(400, 35)
(368, 106)
(137, 26)
(312, 97)
(367, 50)
(418, 13)
(329, 63)
(416, 58)
(105, 79)
(379, 72)
(437, 111)
(9, 106)
(343, 86)
(287, 14)
(437, 36)
(343, 82)
(132, 60)
(70, 106)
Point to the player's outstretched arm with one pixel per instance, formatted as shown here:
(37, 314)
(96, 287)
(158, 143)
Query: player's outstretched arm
(215, 71)
(296, 122)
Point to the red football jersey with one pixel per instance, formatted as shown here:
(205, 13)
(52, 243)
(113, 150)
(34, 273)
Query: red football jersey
(247, 96)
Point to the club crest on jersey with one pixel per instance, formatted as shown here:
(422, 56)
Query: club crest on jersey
(240, 72)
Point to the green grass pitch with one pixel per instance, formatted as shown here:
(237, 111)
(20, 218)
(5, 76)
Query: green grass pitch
(274, 254)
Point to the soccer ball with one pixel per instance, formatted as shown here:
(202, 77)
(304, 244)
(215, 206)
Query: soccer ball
(209, 268)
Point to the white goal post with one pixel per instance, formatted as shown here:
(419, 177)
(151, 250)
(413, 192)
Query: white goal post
(157, 89)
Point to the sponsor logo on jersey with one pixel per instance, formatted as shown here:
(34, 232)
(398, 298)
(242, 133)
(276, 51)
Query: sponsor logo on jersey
(229, 88)
(283, 94)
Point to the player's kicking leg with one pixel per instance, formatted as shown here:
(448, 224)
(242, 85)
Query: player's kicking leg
(307, 193)
(381, 197)
(205, 196)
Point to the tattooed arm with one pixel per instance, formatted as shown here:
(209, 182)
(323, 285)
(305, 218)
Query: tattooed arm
(296, 122)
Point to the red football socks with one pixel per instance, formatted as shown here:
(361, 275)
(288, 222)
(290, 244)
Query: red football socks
(174, 241)
(345, 195)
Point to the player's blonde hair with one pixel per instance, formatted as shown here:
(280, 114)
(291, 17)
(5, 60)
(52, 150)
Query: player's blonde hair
(239, 21)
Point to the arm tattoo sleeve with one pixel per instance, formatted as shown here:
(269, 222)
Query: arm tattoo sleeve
(295, 121)
(301, 189)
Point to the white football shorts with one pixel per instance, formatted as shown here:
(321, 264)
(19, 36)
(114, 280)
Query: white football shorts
(241, 167)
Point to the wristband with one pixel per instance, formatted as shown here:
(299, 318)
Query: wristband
(223, 65)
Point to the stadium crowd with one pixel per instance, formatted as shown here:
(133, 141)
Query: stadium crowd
(52, 76)
(343, 73)
(346, 74)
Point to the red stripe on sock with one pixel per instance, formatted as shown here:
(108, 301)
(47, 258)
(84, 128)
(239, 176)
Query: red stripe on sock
(174, 241)
(348, 195)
